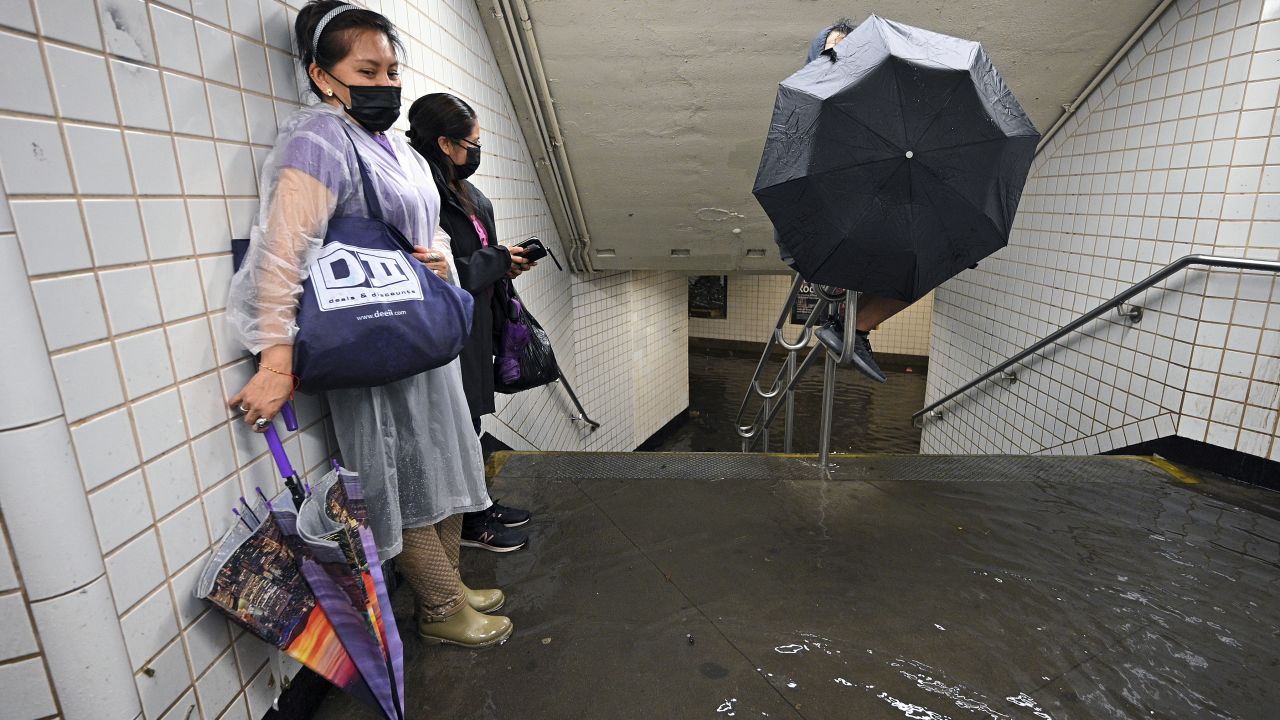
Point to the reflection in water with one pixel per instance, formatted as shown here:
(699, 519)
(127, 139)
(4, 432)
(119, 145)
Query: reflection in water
(868, 417)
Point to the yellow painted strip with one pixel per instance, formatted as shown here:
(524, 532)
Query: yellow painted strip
(496, 463)
(1179, 473)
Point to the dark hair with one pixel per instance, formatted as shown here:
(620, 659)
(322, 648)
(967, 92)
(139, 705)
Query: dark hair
(442, 115)
(338, 36)
(844, 26)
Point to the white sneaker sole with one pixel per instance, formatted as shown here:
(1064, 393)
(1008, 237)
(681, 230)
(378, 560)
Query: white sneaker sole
(491, 548)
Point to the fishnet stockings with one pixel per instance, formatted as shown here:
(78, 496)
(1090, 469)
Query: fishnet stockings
(429, 563)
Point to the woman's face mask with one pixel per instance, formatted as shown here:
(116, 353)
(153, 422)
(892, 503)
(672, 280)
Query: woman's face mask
(468, 168)
(375, 107)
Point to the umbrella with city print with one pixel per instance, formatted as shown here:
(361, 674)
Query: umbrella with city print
(307, 580)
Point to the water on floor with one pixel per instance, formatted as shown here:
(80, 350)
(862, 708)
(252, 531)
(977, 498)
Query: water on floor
(925, 588)
(867, 417)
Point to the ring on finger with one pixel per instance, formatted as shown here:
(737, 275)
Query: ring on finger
(243, 409)
(261, 423)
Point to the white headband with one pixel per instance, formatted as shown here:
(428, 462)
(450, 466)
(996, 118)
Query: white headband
(315, 41)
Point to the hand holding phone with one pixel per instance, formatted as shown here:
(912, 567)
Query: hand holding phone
(535, 250)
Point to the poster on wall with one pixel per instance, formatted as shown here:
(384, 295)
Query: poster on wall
(805, 303)
(709, 297)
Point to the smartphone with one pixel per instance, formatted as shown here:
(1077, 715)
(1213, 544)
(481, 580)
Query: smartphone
(534, 250)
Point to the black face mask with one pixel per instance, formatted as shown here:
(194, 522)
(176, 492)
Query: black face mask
(468, 168)
(376, 107)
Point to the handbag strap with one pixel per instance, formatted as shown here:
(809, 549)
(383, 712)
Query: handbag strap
(370, 195)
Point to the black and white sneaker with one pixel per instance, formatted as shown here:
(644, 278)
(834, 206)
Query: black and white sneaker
(509, 516)
(832, 336)
(493, 536)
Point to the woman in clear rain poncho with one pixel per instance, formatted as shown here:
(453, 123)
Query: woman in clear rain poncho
(411, 441)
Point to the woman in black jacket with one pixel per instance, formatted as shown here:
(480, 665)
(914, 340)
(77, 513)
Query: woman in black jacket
(444, 130)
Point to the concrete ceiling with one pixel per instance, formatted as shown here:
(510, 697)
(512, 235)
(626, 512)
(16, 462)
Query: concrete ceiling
(664, 104)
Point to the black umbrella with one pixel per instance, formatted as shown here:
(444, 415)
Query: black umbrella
(894, 162)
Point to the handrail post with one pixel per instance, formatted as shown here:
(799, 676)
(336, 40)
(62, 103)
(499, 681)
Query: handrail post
(764, 429)
(790, 422)
(828, 399)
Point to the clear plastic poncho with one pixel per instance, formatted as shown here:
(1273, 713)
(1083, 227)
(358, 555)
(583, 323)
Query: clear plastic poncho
(411, 441)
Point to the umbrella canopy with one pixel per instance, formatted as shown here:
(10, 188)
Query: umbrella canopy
(894, 162)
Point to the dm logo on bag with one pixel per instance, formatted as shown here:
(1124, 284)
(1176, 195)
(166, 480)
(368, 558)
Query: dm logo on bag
(346, 276)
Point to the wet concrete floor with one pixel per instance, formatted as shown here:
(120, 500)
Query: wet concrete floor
(715, 586)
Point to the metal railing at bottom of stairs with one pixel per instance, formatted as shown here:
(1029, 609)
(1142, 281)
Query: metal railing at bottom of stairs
(1132, 313)
(785, 381)
(581, 417)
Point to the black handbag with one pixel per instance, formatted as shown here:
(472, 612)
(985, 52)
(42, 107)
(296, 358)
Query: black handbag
(524, 359)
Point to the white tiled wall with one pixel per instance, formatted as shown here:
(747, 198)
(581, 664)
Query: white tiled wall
(1176, 152)
(129, 137)
(755, 300)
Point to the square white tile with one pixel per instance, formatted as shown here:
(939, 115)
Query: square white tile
(209, 224)
(115, 232)
(217, 53)
(205, 404)
(169, 681)
(141, 96)
(74, 21)
(88, 381)
(207, 640)
(51, 234)
(184, 535)
(176, 37)
(179, 286)
(216, 272)
(255, 75)
(245, 18)
(172, 481)
(120, 510)
(145, 358)
(16, 636)
(26, 687)
(149, 627)
(188, 105)
(155, 167)
(135, 570)
(213, 11)
(70, 310)
(81, 85)
(127, 29)
(23, 68)
(183, 583)
(98, 156)
(159, 423)
(168, 233)
(238, 169)
(191, 344)
(200, 172)
(219, 686)
(131, 298)
(105, 447)
(228, 114)
(215, 457)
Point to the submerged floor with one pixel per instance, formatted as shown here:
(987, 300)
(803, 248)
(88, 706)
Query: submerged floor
(678, 586)
(867, 416)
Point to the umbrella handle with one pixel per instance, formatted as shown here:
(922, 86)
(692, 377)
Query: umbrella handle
(277, 452)
(290, 417)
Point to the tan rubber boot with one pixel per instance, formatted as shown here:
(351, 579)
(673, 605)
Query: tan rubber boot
(485, 601)
(467, 628)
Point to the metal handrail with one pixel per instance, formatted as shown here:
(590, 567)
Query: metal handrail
(790, 374)
(1134, 314)
(592, 425)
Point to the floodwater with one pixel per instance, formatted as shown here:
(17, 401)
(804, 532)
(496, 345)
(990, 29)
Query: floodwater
(901, 587)
(867, 417)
